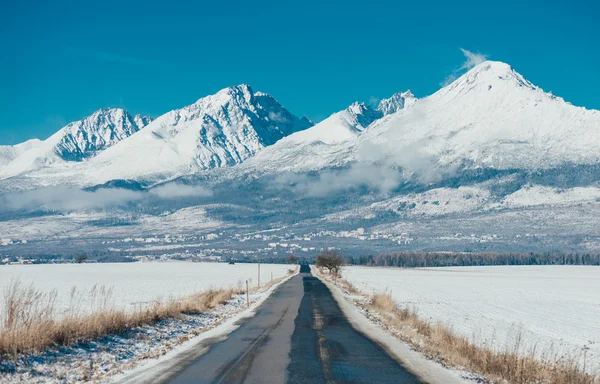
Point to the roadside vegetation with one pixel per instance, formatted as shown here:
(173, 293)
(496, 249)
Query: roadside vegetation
(331, 260)
(514, 364)
(31, 321)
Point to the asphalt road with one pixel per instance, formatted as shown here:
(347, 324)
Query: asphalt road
(299, 335)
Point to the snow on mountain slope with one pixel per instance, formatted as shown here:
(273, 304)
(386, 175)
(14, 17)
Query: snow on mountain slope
(10, 152)
(469, 199)
(535, 195)
(217, 131)
(434, 202)
(489, 117)
(77, 141)
(314, 147)
(339, 127)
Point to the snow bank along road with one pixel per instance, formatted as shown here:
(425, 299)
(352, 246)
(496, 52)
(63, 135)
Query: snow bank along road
(299, 335)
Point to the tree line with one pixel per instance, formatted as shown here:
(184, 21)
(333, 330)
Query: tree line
(415, 259)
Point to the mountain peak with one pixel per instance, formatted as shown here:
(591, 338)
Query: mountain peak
(396, 102)
(244, 89)
(218, 130)
(490, 72)
(240, 92)
(85, 138)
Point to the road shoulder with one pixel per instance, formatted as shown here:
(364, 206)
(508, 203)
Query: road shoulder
(160, 369)
(427, 370)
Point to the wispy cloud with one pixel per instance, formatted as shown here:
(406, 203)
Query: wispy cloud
(174, 190)
(472, 59)
(373, 101)
(378, 178)
(73, 199)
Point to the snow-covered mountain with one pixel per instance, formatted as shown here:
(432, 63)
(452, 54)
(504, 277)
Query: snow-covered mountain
(489, 159)
(397, 102)
(10, 152)
(313, 146)
(75, 142)
(491, 117)
(216, 131)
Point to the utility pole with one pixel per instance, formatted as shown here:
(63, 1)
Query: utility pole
(247, 296)
(259, 274)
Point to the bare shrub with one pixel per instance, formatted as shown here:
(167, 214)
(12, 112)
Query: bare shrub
(332, 260)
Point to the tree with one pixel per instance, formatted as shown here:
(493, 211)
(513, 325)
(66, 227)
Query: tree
(332, 260)
(291, 259)
(80, 258)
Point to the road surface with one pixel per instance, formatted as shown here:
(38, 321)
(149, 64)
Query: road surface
(299, 335)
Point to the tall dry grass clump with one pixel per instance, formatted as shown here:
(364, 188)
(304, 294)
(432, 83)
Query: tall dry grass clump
(30, 322)
(513, 365)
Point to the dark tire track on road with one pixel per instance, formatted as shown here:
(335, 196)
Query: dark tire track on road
(327, 349)
(299, 335)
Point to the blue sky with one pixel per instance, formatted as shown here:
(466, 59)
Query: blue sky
(62, 60)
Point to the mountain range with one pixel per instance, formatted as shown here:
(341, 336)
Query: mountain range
(489, 145)
(491, 117)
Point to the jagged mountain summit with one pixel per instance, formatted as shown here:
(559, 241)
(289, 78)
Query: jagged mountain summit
(219, 130)
(216, 131)
(75, 142)
(397, 102)
(314, 147)
(104, 128)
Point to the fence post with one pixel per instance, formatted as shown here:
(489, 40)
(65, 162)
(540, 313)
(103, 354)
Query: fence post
(247, 295)
(259, 274)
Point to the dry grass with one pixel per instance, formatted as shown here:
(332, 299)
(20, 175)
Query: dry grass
(30, 322)
(513, 365)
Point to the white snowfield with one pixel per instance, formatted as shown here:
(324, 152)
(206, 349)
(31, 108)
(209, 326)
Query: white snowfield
(555, 308)
(135, 285)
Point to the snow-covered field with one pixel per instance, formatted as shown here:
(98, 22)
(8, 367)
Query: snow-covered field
(135, 350)
(556, 309)
(136, 284)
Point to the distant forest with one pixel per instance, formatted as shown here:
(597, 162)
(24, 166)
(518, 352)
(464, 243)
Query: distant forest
(451, 259)
(415, 259)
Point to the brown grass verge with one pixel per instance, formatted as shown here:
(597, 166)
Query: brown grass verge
(513, 365)
(29, 321)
